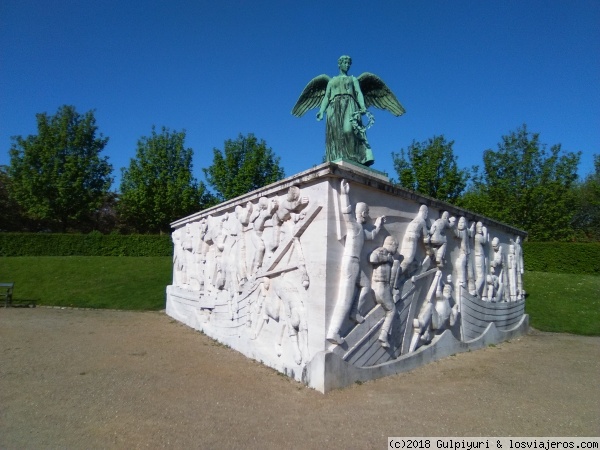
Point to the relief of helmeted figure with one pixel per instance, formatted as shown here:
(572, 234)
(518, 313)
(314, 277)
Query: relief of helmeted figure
(351, 275)
(464, 266)
(480, 240)
(438, 238)
(385, 266)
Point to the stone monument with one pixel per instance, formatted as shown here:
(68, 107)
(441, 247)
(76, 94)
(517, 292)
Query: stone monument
(298, 276)
(333, 276)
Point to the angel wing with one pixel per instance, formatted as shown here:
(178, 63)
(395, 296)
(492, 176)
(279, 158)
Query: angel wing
(311, 96)
(377, 94)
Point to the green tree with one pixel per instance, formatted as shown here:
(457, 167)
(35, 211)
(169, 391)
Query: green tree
(158, 187)
(106, 219)
(586, 220)
(244, 165)
(12, 216)
(430, 167)
(527, 186)
(58, 176)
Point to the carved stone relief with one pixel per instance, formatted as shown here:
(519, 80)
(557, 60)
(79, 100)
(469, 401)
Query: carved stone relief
(520, 267)
(464, 264)
(429, 304)
(261, 214)
(385, 268)
(351, 275)
(497, 279)
(416, 230)
(438, 239)
(224, 256)
(480, 240)
(373, 291)
(512, 273)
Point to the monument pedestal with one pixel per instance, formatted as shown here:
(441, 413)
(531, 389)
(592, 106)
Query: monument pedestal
(302, 276)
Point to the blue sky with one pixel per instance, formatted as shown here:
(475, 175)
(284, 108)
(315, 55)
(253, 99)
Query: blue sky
(470, 70)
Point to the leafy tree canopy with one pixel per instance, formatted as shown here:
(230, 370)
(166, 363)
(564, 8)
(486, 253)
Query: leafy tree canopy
(12, 215)
(58, 176)
(158, 187)
(525, 185)
(586, 221)
(430, 167)
(245, 164)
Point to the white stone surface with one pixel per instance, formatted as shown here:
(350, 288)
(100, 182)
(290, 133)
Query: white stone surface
(273, 274)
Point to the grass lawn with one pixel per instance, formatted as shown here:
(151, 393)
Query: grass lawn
(136, 283)
(565, 303)
(555, 302)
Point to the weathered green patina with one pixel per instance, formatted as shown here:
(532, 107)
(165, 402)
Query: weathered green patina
(345, 100)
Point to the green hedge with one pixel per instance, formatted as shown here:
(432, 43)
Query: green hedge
(93, 244)
(562, 257)
(558, 257)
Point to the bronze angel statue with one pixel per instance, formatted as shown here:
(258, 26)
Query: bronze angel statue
(345, 99)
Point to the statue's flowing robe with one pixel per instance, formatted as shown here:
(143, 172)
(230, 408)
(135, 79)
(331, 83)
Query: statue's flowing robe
(342, 140)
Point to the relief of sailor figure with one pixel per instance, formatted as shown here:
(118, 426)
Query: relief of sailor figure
(351, 274)
(385, 266)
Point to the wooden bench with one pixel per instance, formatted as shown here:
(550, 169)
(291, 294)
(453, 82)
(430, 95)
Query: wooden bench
(6, 292)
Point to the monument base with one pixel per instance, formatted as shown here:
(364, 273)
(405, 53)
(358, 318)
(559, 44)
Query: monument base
(334, 276)
(362, 169)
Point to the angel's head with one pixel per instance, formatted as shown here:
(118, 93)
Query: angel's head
(344, 62)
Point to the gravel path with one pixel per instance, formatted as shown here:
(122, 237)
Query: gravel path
(110, 379)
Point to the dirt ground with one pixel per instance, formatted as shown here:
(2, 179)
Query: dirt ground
(111, 379)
